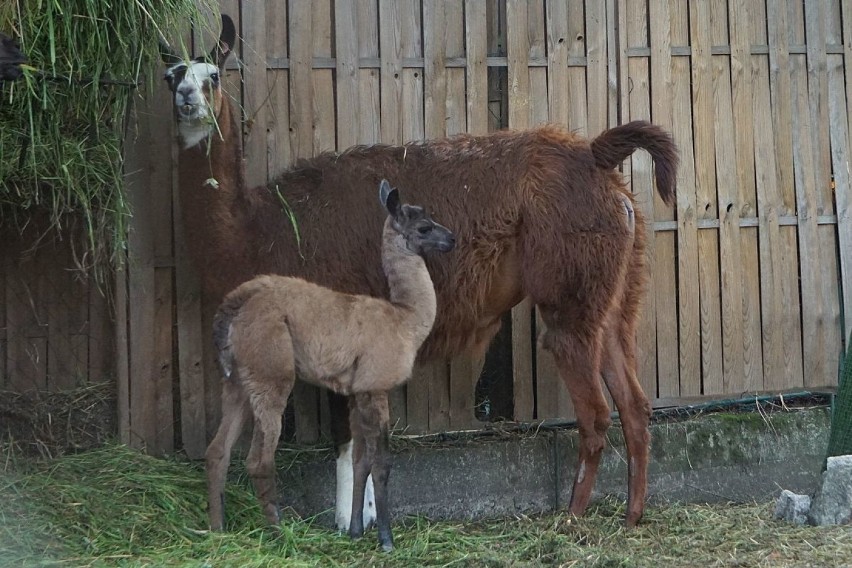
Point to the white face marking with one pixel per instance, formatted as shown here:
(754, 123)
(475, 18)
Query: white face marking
(581, 474)
(188, 84)
(343, 502)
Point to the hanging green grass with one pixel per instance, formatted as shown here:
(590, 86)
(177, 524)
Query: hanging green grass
(62, 124)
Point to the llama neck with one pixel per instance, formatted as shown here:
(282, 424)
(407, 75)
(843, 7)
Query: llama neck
(214, 207)
(410, 285)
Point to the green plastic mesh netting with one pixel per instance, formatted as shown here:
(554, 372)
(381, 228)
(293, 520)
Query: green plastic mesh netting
(840, 438)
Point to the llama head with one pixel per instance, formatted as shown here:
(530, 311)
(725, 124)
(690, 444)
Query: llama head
(10, 59)
(419, 232)
(196, 86)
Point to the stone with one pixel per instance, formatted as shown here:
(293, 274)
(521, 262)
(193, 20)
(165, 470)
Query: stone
(832, 502)
(792, 507)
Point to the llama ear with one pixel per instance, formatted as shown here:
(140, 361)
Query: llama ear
(389, 198)
(227, 39)
(168, 54)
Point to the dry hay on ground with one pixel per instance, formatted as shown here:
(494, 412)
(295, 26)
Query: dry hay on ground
(51, 424)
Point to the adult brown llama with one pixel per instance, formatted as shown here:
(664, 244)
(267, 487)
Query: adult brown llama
(538, 213)
(272, 327)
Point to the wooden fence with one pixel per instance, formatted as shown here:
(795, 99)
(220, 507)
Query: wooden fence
(751, 286)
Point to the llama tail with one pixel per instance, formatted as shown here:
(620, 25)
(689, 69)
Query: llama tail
(612, 146)
(228, 310)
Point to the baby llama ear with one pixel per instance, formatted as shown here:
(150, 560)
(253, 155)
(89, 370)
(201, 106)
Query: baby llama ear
(389, 198)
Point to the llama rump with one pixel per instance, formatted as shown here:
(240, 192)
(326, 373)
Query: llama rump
(537, 213)
(272, 328)
(11, 58)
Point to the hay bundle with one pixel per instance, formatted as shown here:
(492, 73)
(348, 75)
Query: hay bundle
(62, 124)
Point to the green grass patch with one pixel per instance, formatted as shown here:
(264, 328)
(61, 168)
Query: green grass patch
(114, 506)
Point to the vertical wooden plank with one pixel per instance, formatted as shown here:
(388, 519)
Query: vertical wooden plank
(549, 95)
(324, 133)
(141, 289)
(596, 67)
(435, 70)
(464, 371)
(198, 378)
(613, 47)
(255, 91)
(728, 207)
(302, 145)
(805, 167)
(517, 46)
(101, 340)
(423, 395)
(348, 72)
(665, 277)
(838, 112)
(558, 40)
(391, 74)
(122, 347)
(456, 107)
(301, 79)
(708, 240)
(476, 51)
(369, 129)
(577, 105)
(782, 108)
(279, 156)
(769, 206)
(742, 71)
(638, 106)
(689, 317)
(498, 91)
(5, 239)
(843, 191)
(22, 351)
(817, 32)
(323, 97)
(57, 304)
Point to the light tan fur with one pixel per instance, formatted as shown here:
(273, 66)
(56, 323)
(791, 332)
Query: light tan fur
(272, 329)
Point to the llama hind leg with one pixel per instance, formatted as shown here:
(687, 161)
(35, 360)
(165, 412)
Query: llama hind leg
(619, 373)
(267, 407)
(578, 361)
(235, 410)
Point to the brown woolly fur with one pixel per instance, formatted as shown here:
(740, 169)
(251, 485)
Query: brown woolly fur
(537, 213)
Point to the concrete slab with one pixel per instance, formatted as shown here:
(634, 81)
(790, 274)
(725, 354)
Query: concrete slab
(718, 457)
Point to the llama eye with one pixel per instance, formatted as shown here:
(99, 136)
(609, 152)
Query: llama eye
(424, 230)
(214, 77)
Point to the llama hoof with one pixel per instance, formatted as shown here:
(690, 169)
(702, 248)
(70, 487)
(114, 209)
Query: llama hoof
(631, 520)
(386, 540)
(355, 533)
(272, 514)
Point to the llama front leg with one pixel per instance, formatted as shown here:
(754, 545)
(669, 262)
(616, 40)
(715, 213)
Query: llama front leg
(340, 432)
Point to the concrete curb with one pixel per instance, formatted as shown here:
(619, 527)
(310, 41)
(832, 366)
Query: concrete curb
(713, 458)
